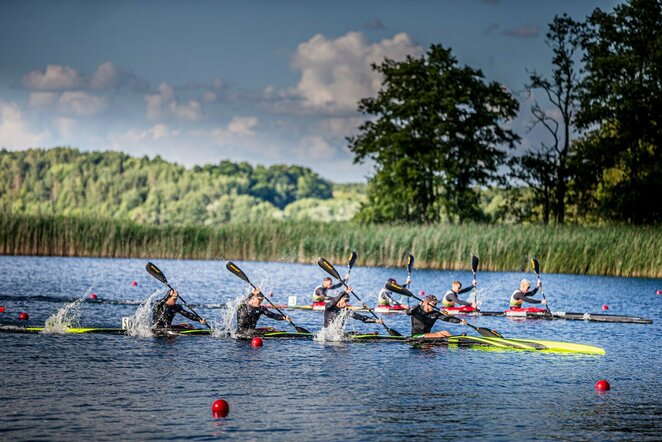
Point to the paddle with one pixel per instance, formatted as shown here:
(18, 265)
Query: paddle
(410, 266)
(328, 268)
(158, 274)
(232, 267)
(404, 291)
(536, 268)
(474, 269)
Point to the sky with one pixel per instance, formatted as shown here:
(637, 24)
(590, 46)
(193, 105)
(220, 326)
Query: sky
(268, 82)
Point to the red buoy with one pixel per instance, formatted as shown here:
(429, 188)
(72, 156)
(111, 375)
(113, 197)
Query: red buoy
(2, 308)
(134, 283)
(605, 307)
(93, 296)
(422, 293)
(602, 385)
(256, 342)
(659, 292)
(220, 408)
(23, 316)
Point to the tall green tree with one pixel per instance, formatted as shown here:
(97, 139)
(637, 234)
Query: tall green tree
(622, 103)
(434, 132)
(546, 169)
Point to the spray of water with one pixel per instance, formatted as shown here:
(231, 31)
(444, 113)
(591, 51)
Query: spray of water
(66, 317)
(226, 324)
(335, 332)
(140, 324)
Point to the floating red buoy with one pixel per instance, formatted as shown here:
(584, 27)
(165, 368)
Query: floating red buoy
(602, 385)
(134, 283)
(2, 308)
(422, 293)
(220, 408)
(23, 316)
(93, 296)
(605, 307)
(256, 342)
(659, 292)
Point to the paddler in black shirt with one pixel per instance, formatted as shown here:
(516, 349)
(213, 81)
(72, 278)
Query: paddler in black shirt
(320, 293)
(165, 310)
(522, 294)
(423, 317)
(336, 305)
(249, 312)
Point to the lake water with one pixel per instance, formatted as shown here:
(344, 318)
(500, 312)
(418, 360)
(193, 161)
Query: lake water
(109, 387)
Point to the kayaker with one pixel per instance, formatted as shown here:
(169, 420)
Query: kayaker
(451, 299)
(335, 306)
(424, 315)
(249, 312)
(523, 294)
(385, 297)
(320, 294)
(165, 310)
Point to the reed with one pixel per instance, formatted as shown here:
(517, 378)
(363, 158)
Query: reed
(600, 250)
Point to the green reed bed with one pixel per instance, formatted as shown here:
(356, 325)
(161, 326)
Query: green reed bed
(603, 250)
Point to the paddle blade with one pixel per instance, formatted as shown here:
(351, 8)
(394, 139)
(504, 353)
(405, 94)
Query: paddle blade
(392, 332)
(410, 263)
(232, 267)
(397, 288)
(155, 272)
(352, 259)
(301, 329)
(535, 265)
(489, 333)
(474, 264)
(328, 268)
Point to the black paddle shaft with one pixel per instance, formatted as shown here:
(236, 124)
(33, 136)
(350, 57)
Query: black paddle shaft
(158, 274)
(536, 268)
(232, 267)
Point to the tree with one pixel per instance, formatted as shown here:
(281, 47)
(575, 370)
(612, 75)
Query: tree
(620, 104)
(547, 169)
(434, 133)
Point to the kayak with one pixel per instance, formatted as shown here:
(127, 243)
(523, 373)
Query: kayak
(460, 340)
(390, 309)
(527, 312)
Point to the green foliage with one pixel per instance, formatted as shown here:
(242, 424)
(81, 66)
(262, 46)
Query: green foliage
(434, 133)
(622, 159)
(65, 181)
(604, 250)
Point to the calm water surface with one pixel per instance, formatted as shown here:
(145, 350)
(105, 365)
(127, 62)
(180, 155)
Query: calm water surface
(103, 387)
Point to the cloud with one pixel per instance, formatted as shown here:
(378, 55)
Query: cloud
(525, 31)
(336, 73)
(242, 126)
(316, 148)
(81, 104)
(236, 128)
(154, 133)
(15, 131)
(165, 104)
(65, 78)
(53, 78)
(374, 24)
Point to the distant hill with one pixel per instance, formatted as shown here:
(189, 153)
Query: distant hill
(66, 181)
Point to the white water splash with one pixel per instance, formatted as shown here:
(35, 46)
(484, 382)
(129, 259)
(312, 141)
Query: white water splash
(226, 325)
(66, 317)
(335, 332)
(140, 323)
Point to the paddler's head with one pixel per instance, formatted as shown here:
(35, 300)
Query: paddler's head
(456, 286)
(429, 303)
(327, 283)
(524, 285)
(171, 298)
(256, 298)
(342, 300)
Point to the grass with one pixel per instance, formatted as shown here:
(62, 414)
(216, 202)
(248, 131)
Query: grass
(601, 250)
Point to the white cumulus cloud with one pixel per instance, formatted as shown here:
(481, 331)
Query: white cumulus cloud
(53, 78)
(165, 104)
(336, 73)
(81, 104)
(15, 130)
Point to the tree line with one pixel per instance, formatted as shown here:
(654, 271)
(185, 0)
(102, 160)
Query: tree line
(438, 134)
(66, 181)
